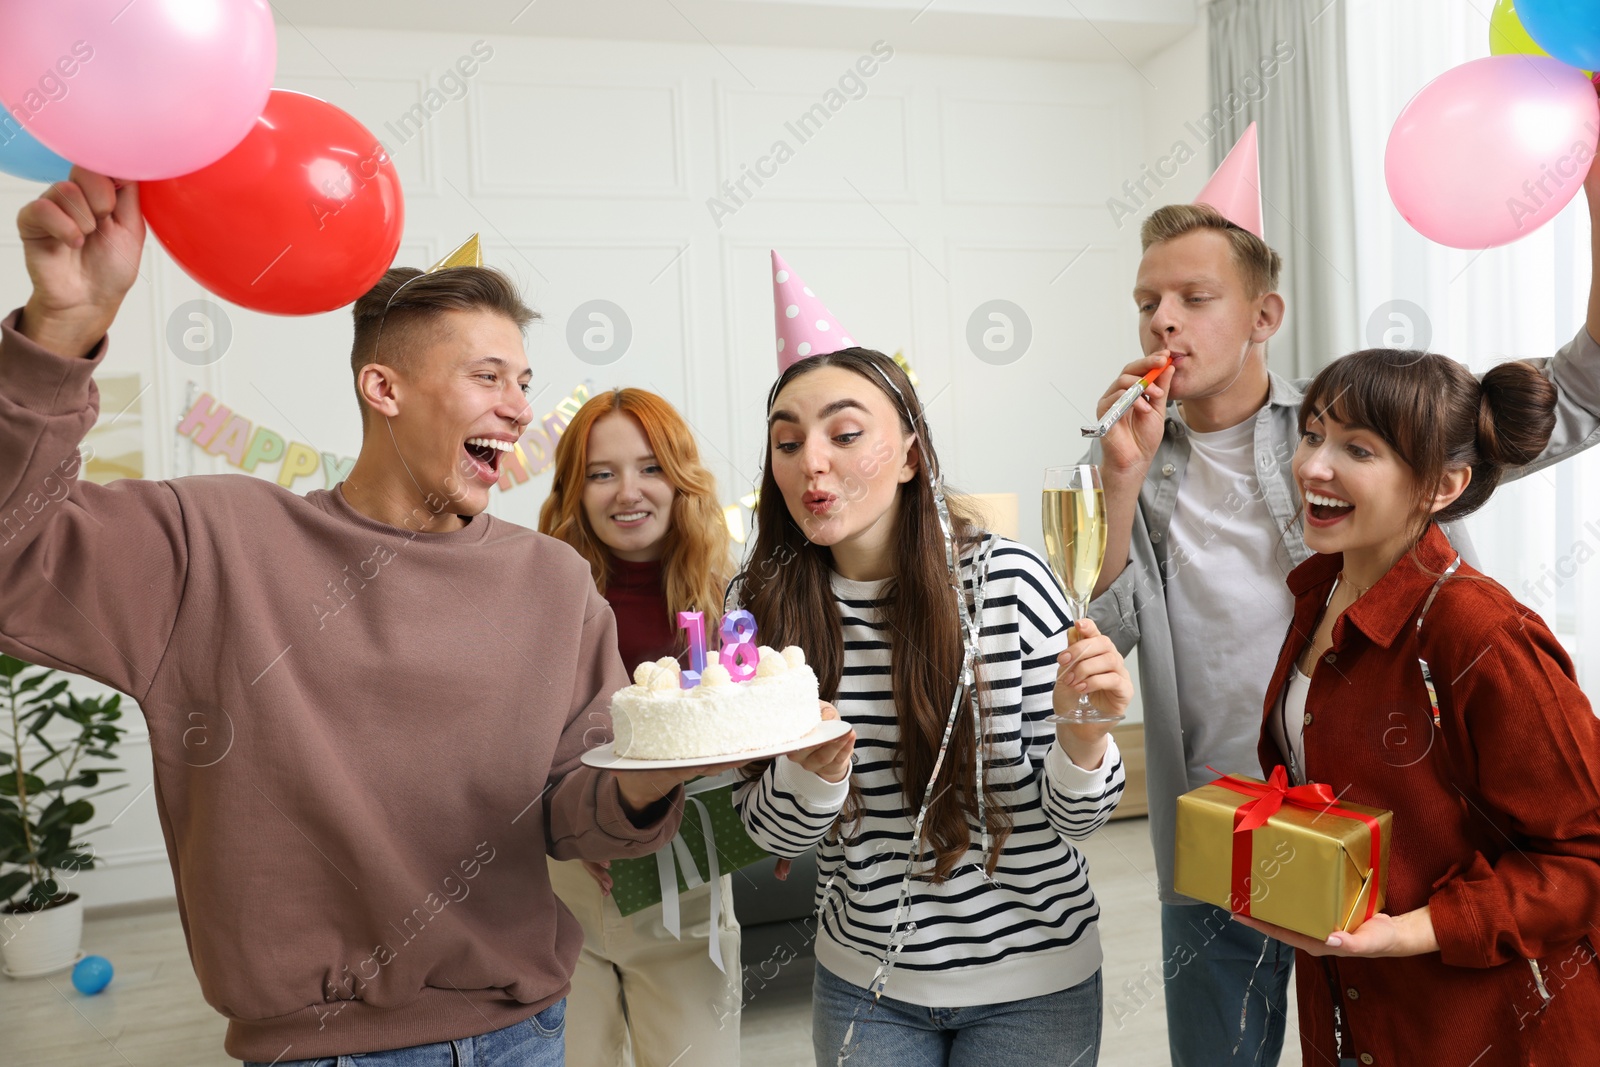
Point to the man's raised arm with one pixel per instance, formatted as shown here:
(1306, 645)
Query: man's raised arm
(90, 575)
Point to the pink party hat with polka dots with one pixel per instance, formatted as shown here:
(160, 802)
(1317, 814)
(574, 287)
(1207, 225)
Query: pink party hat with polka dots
(1235, 189)
(805, 326)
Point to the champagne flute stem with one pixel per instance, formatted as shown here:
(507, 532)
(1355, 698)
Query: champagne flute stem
(1078, 607)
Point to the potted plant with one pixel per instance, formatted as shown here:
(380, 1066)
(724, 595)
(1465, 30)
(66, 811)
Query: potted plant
(41, 922)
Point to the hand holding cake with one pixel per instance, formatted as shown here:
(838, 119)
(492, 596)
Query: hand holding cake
(642, 789)
(830, 760)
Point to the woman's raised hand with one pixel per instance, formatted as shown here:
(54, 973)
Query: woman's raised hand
(1090, 665)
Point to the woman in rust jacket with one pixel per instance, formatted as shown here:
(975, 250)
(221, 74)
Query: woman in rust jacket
(1470, 727)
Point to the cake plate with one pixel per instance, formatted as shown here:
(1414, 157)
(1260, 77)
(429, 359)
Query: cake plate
(605, 756)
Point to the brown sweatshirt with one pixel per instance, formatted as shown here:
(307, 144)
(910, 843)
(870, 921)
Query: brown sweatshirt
(366, 740)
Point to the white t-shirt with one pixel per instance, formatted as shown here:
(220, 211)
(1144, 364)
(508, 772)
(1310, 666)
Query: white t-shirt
(1288, 724)
(1227, 601)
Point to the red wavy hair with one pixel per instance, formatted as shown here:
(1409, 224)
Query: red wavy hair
(695, 558)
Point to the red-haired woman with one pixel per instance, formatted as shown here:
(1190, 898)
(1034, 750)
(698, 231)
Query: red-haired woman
(631, 495)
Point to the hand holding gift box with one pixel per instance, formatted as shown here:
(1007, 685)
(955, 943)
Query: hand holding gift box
(1288, 857)
(1410, 934)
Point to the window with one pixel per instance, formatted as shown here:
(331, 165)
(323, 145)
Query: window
(1539, 536)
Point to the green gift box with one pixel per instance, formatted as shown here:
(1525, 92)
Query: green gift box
(636, 883)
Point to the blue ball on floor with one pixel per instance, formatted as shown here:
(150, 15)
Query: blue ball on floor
(91, 975)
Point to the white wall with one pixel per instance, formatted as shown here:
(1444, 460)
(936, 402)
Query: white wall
(587, 165)
(1177, 106)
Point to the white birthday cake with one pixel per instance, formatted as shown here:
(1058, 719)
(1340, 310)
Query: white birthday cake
(655, 718)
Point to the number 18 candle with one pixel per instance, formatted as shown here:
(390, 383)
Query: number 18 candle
(694, 625)
(738, 653)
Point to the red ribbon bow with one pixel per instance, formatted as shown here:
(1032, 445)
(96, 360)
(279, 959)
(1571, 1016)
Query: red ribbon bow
(1272, 795)
(1268, 797)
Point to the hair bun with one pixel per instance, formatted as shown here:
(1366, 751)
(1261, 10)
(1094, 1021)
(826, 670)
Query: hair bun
(1516, 414)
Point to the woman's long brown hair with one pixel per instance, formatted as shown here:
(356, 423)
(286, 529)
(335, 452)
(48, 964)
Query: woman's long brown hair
(695, 559)
(785, 584)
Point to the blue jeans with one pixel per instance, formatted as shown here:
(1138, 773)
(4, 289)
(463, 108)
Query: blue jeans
(1209, 964)
(537, 1041)
(1061, 1028)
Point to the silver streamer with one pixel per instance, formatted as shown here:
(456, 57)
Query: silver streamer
(1244, 1008)
(971, 628)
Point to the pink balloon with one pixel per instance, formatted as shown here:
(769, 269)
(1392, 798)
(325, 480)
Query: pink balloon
(1490, 151)
(142, 90)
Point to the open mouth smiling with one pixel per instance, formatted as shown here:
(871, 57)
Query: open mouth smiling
(483, 456)
(1325, 510)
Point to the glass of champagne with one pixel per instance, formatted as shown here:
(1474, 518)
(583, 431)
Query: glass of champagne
(1074, 509)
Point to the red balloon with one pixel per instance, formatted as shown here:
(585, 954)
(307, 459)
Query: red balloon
(304, 216)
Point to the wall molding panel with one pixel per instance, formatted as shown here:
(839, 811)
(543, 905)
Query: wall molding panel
(592, 169)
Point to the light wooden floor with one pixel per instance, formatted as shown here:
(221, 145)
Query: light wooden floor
(153, 1015)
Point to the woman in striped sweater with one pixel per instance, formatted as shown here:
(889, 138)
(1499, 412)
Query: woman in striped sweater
(956, 923)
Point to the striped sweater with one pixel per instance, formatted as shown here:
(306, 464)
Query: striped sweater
(1030, 931)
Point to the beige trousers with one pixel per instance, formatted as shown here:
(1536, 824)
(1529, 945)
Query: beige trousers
(638, 990)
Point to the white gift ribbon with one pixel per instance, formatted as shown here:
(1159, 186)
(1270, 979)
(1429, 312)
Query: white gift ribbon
(670, 860)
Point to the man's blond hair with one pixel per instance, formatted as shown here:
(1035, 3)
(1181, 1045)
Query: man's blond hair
(1258, 264)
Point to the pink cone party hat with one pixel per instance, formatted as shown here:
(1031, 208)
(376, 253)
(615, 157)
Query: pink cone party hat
(805, 326)
(1235, 189)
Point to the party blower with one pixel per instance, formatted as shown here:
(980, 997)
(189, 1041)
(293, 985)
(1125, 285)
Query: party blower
(1125, 401)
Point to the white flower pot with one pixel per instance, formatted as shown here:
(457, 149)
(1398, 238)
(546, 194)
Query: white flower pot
(41, 942)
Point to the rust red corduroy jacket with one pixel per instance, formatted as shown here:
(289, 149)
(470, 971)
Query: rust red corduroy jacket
(1496, 819)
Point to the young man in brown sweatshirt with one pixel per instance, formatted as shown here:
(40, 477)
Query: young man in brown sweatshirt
(358, 831)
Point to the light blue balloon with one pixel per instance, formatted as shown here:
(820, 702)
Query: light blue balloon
(1567, 29)
(92, 974)
(22, 154)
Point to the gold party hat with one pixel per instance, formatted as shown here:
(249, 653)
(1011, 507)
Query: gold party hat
(467, 254)
(905, 364)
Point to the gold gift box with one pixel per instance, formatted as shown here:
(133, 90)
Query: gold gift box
(1309, 866)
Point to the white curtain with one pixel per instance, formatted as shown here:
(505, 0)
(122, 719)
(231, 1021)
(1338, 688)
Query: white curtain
(1303, 110)
(1540, 536)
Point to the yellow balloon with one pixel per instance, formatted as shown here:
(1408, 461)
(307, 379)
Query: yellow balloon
(1507, 35)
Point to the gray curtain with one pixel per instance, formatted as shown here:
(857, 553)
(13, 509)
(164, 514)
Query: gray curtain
(1308, 204)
